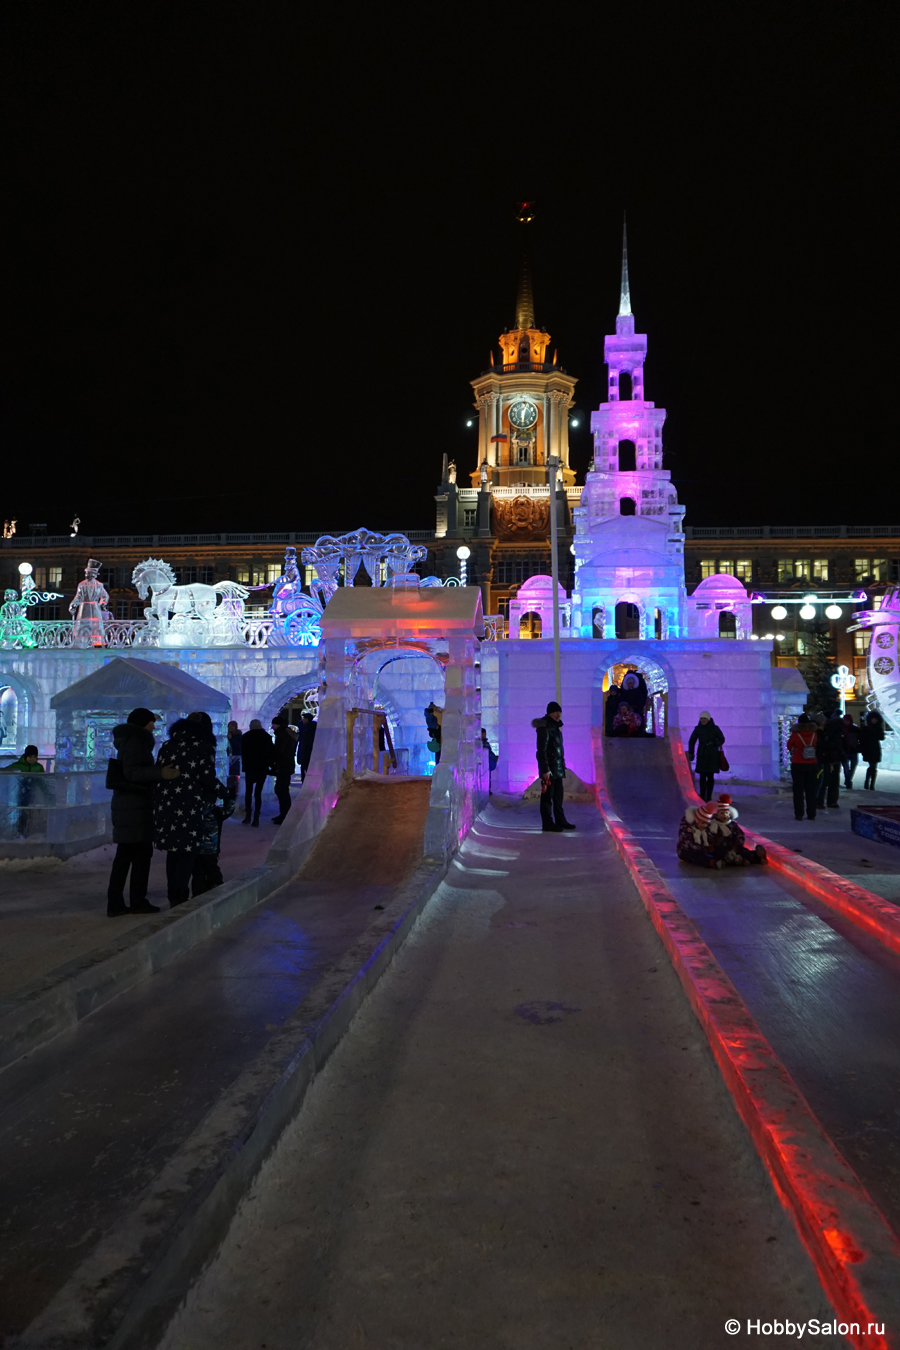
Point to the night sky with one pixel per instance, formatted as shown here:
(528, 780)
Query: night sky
(253, 253)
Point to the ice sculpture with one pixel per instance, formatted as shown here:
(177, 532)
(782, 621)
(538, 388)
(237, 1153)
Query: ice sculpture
(88, 609)
(187, 616)
(15, 628)
(295, 614)
(884, 654)
(392, 553)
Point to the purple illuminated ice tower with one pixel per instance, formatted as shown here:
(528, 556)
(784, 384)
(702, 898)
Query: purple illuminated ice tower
(629, 544)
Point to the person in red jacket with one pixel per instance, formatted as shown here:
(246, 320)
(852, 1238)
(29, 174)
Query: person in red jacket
(803, 745)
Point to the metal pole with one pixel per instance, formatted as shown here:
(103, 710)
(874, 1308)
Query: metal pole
(553, 466)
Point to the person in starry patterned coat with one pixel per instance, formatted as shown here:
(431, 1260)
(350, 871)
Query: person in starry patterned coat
(180, 806)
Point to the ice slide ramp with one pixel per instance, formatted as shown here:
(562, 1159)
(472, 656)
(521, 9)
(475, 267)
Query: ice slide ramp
(824, 993)
(374, 835)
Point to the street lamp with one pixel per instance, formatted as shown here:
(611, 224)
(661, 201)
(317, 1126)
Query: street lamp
(779, 613)
(807, 612)
(844, 682)
(464, 554)
(833, 612)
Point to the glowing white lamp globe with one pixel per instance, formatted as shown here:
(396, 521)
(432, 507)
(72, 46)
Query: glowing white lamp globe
(754, 637)
(462, 553)
(807, 612)
(770, 637)
(779, 613)
(833, 612)
(25, 569)
(779, 637)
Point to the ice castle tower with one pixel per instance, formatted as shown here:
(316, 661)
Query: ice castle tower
(629, 542)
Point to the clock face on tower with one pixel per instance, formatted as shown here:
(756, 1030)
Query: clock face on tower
(523, 414)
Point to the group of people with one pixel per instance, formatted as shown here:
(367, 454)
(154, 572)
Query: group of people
(626, 706)
(821, 747)
(177, 803)
(261, 756)
(170, 802)
(709, 836)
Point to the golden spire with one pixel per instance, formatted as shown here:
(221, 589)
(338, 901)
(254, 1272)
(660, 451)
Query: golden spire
(525, 298)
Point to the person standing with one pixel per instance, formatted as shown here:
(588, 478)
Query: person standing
(851, 751)
(871, 734)
(132, 812)
(830, 746)
(29, 763)
(802, 744)
(180, 808)
(257, 753)
(283, 763)
(434, 718)
(305, 742)
(551, 768)
(709, 739)
(233, 744)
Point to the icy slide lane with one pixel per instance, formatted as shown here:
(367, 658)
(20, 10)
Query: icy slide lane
(523, 1141)
(824, 993)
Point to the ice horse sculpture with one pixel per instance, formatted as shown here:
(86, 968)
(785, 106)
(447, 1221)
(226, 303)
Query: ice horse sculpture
(189, 616)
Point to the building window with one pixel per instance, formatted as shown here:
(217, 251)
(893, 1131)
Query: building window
(513, 571)
(54, 578)
(880, 569)
(785, 569)
(726, 566)
(469, 518)
(801, 569)
(137, 609)
(122, 609)
(242, 574)
(820, 569)
(187, 576)
(861, 567)
(707, 568)
(861, 642)
(206, 575)
(273, 572)
(743, 569)
(39, 577)
(309, 574)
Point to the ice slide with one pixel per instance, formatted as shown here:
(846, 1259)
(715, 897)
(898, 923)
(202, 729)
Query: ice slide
(824, 993)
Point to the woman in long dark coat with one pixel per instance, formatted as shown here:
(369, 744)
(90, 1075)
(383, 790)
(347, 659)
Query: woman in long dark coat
(180, 808)
(709, 739)
(871, 734)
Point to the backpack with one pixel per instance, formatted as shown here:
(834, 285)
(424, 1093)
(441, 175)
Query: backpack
(809, 747)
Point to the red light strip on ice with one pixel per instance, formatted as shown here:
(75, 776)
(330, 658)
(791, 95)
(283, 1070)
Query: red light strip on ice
(855, 1253)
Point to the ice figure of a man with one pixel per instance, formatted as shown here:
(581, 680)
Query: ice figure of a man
(15, 627)
(89, 608)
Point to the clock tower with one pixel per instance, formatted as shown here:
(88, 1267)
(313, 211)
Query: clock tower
(523, 400)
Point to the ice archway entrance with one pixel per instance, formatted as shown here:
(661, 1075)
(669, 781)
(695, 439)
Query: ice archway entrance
(402, 681)
(633, 658)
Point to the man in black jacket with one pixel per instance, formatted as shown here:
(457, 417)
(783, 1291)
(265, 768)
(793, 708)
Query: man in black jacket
(830, 746)
(132, 813)
(305, 742)
(283, 761)
(551, 768)
(257, 753)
